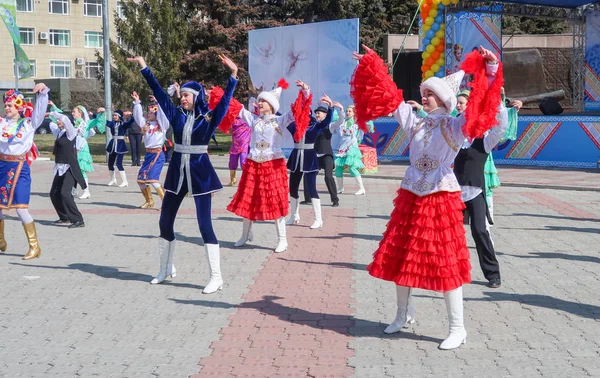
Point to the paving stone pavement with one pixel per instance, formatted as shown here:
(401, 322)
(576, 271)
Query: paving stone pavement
(85, 308)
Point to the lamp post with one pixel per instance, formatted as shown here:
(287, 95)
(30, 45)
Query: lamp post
(106, 53)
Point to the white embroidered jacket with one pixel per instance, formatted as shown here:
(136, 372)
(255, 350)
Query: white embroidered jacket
(17, 140)
(154, 135)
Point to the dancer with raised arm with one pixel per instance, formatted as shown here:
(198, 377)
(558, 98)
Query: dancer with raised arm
(190, 169)
(263, 189)
(117, 148)
(84, 157)
(424, 245)
(154, 126)
(16, 142)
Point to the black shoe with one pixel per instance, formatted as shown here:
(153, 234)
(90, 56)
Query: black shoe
(77, 224)
(61, 221)
(306, 203)
(139, 164)
(495, 283)
(335, 204)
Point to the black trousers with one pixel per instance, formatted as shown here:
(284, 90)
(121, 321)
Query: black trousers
(477, 211)
(62, 200)
(327, 165)
(135, 141)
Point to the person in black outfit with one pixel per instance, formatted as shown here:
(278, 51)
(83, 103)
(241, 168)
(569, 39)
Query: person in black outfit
(135, 142)
(469, 171)
(325, 157)
(66, 172)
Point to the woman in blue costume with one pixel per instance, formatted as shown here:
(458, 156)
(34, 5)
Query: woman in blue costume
(190, 169)
(117, 148)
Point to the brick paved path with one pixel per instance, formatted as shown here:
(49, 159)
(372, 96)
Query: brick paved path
(86, 309)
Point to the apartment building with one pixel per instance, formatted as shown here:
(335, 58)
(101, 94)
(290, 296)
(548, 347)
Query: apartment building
(60, 37)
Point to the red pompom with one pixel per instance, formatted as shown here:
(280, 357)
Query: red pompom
(283, 84)
(215, 96)
(301, 112)
(373, 91)
(232, 113)
(484, 100)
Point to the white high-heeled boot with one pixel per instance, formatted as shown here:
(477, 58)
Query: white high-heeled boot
(340, 184)
(406, 311)
(294, 211)
(246, 233)
(124, 179)
(86, 191)
(316, 202)
(214, 260)
(454, 305)
(166, 250)
(113, 179)
(282, 243)
(361, 188)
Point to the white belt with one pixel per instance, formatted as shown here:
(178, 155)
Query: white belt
(191, 149)
(304, 146)
(118, 138)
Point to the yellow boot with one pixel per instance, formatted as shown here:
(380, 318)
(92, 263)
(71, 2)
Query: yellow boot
(147, 192)
(232, 179)
(2, 240)
(34, 247)
(161, 192)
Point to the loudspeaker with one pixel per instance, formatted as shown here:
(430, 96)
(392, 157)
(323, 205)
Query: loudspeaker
(407, 74)
(550, 106)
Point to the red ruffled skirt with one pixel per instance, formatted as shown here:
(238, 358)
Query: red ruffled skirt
(424, 245)
(262, 192)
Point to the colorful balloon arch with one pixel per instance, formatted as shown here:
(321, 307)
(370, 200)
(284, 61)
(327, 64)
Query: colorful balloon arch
(433, 36)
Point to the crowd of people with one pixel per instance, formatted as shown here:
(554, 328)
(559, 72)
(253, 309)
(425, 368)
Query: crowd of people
(449, 179)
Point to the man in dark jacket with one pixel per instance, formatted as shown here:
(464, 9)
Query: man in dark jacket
(325, 157)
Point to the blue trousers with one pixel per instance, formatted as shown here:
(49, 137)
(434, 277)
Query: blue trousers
(170, 207)
(310, 183)
(115, 157)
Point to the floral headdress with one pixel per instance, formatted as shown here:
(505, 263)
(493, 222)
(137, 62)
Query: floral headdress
(153, 108)
(18, 100)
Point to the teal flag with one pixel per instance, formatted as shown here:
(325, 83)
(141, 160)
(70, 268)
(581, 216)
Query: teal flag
(8, 12)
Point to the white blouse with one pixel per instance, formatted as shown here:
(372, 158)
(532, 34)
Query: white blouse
(154, 131)
(19, 142)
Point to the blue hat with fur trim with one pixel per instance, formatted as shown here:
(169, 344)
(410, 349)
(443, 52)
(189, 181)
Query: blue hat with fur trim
(197, 90)
(119, 113)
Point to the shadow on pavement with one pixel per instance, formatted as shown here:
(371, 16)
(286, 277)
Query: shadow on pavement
(553, 217)
(553, 255)
(112, 204)
(556, 228)
(40, 194)
(342, 235)
(342, 324)
(334, 264)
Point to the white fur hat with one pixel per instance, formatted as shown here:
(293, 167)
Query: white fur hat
(446, 88)
(272, 96)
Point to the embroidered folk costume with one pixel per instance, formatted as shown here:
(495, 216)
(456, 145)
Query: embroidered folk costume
(117, 148)
(240, 144)
(85, 131)
(16, 152)
(424, 245)
(190, 170)
(67, 173)
(154, 127)
(263, 189)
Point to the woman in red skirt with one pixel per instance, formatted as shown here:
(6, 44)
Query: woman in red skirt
(424, 245)
(263, 189)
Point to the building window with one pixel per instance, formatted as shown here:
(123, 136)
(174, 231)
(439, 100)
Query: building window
(92, 8)
(24, 5)
(92, 70)
(58, 6)
(120, 11)
(92, 39)
(60, 68)
(59, 37)
(27, 36)
(33, 68)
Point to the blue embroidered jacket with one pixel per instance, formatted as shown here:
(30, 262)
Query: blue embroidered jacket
(118, 129)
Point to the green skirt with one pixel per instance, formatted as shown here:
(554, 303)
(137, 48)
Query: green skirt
(353, 159)
(84, 158)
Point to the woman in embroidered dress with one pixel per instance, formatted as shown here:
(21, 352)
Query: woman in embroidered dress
(154, 126)
(424, 245)
(303, 161)
(16, 142)
(240, 138)
(117, 148)
(84, 132)
(263, 189)
(190, 170)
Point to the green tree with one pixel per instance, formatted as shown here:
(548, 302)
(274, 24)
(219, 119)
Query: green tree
(525, 25)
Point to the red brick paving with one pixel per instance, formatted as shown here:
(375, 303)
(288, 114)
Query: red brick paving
(294, 321)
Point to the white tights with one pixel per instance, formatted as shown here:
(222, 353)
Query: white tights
(155, 185)
(23, 214)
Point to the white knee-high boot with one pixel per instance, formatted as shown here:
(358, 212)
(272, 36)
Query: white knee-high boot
(86, 191)
(406, 311)
(166, 249)
(214, 260)
(316, 202)
(294, 211)
(113, 178)
(454, 305)
(124, 179)
(246, 233)
(340, 184)
(361, 188)
(282, 243)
